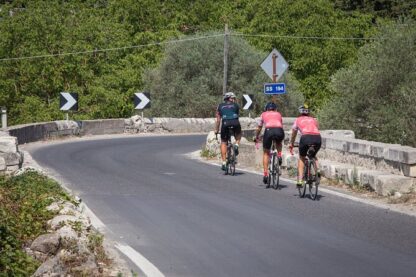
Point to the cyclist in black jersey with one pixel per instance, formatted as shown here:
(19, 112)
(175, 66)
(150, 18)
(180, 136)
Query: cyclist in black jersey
(227, 115)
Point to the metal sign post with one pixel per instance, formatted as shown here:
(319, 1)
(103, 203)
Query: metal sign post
(274, 65)
(3, 117)
(141, 101)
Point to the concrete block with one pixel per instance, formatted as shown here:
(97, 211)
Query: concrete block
(339, 133)
(377, 149)
(100, 127)
(335, 144)
(409, 155)
(388, 184)
(346, 173)
(409, 170)
(368, 177)
(360, 147)
(2, 164)
(331, 169)
(12, 159)
(8, 144)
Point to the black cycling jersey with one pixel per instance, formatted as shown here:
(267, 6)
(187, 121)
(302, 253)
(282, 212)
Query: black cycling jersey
(228, 110)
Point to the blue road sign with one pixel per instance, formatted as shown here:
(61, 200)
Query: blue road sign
(275, 88)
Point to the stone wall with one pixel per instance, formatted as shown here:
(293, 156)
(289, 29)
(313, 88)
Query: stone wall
(342, 156)
(11, 158)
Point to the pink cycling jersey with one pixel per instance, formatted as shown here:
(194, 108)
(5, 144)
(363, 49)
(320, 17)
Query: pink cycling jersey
(271, 119)
(306, 125)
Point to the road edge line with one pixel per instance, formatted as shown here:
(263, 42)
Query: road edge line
(139, 260)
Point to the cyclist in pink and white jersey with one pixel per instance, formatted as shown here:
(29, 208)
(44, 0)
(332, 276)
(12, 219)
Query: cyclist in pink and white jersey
(307, 126)
(271, 119)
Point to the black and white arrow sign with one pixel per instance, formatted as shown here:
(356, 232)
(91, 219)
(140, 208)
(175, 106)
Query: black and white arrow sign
(141, 100)
(248, 101)
(68, 101)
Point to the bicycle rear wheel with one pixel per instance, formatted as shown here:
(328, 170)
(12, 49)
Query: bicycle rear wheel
(231, 161)
(313, 181)
(269, 177)
(275, 171)
(302, 189)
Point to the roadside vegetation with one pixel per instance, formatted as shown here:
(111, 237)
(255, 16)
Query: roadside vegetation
(106, 50)
(23, 217)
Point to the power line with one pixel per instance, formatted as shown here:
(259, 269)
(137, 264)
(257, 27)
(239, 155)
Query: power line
(176, 41)
(301, 37)
(108, 49)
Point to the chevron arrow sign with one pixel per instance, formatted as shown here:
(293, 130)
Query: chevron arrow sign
(68, 101)
(141, 100)
(248, 101)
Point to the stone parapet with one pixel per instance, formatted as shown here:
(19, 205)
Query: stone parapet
(381, 182)
(395, 158)
(101, 127)
(351, 169)
(11, 158)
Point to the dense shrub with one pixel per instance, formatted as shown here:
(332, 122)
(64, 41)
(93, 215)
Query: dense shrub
(375, 97)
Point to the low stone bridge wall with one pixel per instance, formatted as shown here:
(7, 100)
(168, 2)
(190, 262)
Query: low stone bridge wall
(383, 167)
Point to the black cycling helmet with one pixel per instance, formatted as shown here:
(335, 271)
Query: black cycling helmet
(304, 109)
(270, 107)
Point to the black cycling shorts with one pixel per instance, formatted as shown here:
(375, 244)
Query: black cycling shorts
(230, 127)
(271, 134)
(307, 140)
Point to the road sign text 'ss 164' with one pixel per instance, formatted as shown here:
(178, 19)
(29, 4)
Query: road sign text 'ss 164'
(274, 88)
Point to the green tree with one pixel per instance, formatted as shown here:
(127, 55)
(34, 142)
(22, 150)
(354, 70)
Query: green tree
(379, 8)
(287, 25)
(376, 95)
(188, 82)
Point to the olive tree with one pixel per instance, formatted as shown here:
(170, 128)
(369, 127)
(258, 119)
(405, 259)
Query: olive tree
(189, 80)
(375, 97)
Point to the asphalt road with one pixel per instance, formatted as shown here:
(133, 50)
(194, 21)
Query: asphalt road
(189, 219)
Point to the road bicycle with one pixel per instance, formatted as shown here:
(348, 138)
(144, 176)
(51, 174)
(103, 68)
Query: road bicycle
(230, 158)
(311, 177)
(274, 167)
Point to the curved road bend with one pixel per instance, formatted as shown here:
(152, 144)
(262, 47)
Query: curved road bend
(188, 219)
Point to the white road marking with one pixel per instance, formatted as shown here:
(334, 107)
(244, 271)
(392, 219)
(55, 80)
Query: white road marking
(147, 267)
(138, 259)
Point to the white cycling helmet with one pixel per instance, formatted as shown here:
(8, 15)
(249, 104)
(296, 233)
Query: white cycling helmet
(304, 109)
(229, 95)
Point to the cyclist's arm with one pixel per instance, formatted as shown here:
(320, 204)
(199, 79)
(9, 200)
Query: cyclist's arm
(292, 139)
(258, 130)
(217, 122)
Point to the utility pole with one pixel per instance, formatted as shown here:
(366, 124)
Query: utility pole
(224, 87)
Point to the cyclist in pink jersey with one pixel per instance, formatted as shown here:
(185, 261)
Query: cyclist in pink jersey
(307, 126)
(271, 119)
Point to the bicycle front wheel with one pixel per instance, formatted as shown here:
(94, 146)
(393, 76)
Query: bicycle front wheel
(313, 181)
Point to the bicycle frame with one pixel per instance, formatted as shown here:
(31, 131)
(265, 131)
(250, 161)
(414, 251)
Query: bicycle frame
(274, 167)
(230, 155)
(310, 176)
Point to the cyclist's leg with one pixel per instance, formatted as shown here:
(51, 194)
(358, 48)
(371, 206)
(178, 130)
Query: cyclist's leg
(224, 139)
(280, 136)
(237, 136)
(303, 149)
(317, 141)
(267, 144)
